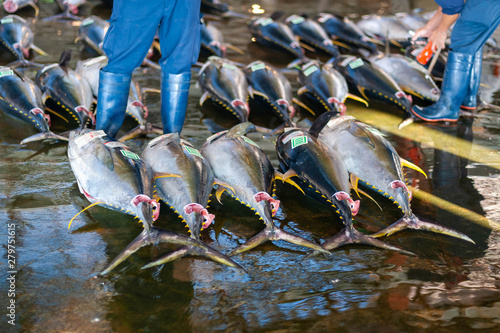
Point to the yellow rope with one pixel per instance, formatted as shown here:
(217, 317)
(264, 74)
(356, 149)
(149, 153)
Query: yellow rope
(95, 203)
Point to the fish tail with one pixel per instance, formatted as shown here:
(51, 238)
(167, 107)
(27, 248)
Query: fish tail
(273, 233)
(44, 136)
(149, 236)
(352, 236)
(202, 250)
(413, 222)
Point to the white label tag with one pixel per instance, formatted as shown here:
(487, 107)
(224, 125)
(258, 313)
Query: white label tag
(114, 144)
(291, 136)
(87, 137)
(347, 60)
(46, 68)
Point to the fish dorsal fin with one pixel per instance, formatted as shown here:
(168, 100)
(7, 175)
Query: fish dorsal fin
(65, 59)
(240, 129)
(362, 133)
(410, 165)
(102, 153)
(320, 123)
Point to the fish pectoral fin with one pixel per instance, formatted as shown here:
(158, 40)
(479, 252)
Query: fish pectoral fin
(356, 98)
(354, 183)
(222, 186)
(302, 90)
(410, 165)
(251, 91)
(302, 105)
(204, 97)
(165, 175)
(286, 179)
(39, 50)
(369, 197)
(103, 155)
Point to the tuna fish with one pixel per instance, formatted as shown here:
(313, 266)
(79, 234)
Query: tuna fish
(410, 76)
(239, 162)
(323, 89)
(65, 93)
(21, 99)
(109, 174)
(270, 90)
(374, 163)
(386, 29)
(91, 33)
(16, 37)
(341, 29)
(184, 181)
(12, 6)
(225, 84)
(371, 83)
(320, 174)
(276, 36)
(312, 35)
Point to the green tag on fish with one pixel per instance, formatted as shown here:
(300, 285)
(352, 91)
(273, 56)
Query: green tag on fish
(229, 66)
(250, 141)
(7, 20)
(46, 1)
(193, 151)
(266, 21)
(258, 66)
(297, 19)
(6, 73)
(87, 21)
(310, 70)
(130, 154)
(299, 141)
(356, 63)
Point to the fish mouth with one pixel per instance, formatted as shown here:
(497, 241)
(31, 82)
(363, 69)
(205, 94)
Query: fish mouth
(10, 6)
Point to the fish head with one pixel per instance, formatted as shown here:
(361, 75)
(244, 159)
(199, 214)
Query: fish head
(147, 209)
(42, 119)
(271, 204)
(241, 108)
(85, 114)
(404, 99)
(353, 205)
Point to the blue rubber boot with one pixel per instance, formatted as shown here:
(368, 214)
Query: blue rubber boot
(470, 100)
(174, 99)
(453, 90)
(112, 101)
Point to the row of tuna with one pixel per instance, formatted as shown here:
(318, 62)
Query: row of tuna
(320, 162)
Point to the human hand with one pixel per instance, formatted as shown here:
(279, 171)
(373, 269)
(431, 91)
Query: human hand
(438, 39)
(422, 32)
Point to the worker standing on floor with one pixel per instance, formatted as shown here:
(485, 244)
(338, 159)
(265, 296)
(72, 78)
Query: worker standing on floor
(134, 24)
(476, 20)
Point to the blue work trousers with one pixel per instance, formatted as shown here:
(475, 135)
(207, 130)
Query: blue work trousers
(133, 28)
(477, 22)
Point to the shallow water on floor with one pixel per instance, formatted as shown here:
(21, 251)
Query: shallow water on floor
(451, 286)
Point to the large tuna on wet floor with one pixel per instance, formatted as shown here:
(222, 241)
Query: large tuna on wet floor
(317, 169)
(367, 81)
(184, 181)
(270, 90)
(323, 89)
(16, 37)
(109, 174)
(276, 36)
(65, 94)
(21, 99)
(239, 162)
(91, 33)
(374, 163)
(226, 85)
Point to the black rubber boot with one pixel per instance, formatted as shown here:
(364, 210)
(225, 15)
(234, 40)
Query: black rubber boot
(454, 87)
(174, 99)
(112, 101)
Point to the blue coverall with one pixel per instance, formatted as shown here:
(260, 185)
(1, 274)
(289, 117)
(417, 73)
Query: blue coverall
(477, 22)
(133, 27)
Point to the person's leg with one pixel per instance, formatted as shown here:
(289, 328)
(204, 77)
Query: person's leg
(180, 46)
(470, 99)
(129, 37)
(477, 22)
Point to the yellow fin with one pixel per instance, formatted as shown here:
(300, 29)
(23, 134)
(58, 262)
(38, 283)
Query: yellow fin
(410, 165)
(354, 183)
(286, 179)
(356, 98)
(302, 105)
(369, 197)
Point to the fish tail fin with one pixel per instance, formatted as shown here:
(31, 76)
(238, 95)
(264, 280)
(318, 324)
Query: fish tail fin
(273, 233)
(202, 250)
(352, 236)
(44, 136)
(154, 235)
(138, 131)
(413, 222)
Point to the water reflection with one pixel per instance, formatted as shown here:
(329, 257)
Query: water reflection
(451, 286)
